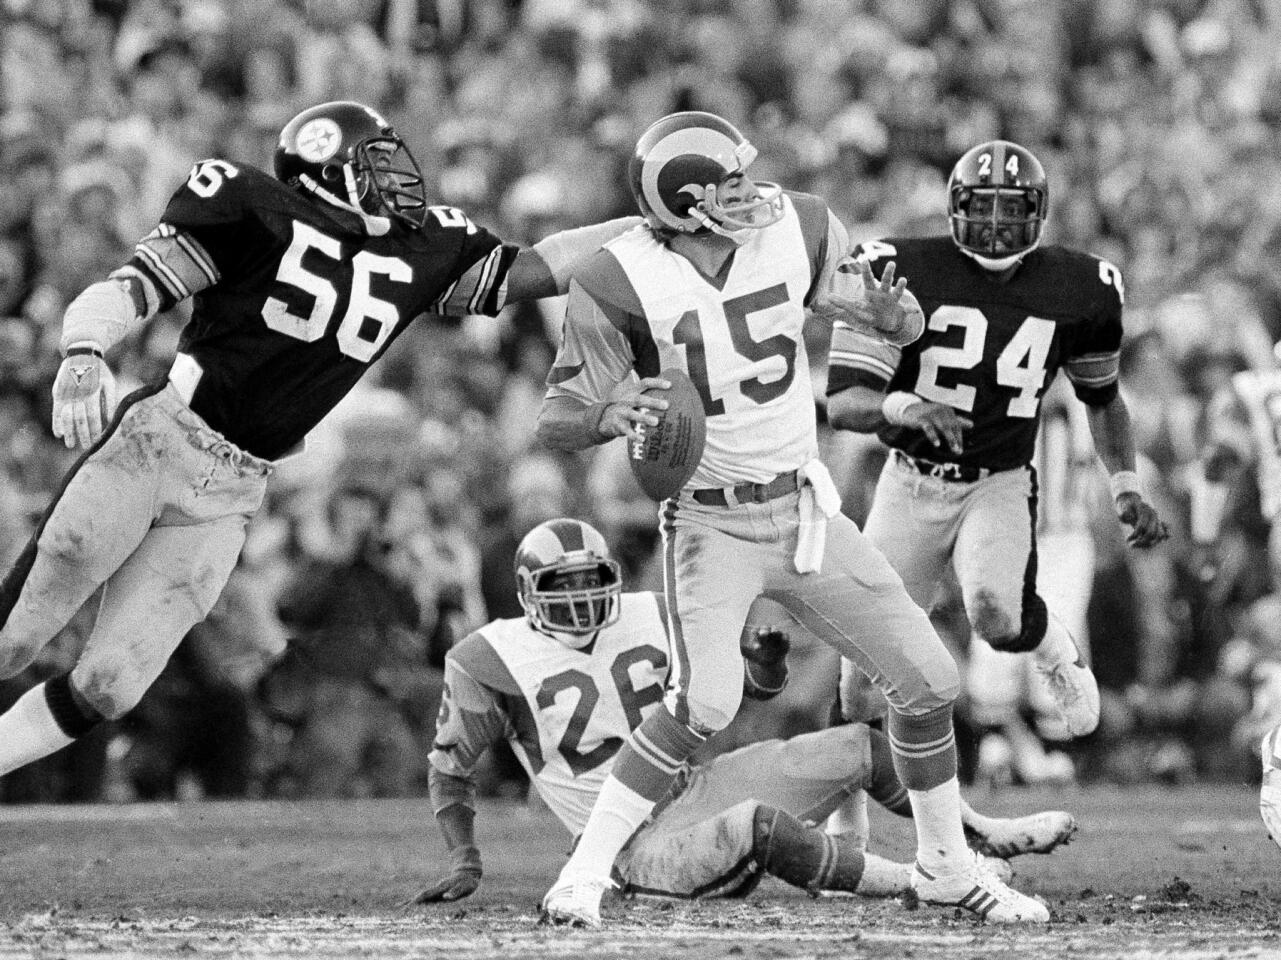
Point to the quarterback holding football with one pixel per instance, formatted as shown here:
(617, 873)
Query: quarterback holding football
(720, 281)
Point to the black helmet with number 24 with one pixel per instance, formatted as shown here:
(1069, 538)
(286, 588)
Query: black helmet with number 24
(349, 156)
(997, 200)
(677, 167)
(568, 584)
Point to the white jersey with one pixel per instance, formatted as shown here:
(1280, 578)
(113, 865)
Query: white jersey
(565, 712)
(640, 306)
(753, 359)
(1260, 394)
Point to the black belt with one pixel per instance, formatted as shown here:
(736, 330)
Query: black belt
(781, 485)
(954, 472)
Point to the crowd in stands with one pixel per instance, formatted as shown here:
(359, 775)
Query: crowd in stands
(1159, 123)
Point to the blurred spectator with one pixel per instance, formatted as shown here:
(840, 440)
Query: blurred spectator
(355, 687)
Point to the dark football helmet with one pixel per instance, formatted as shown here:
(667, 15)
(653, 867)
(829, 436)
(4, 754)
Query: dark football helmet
(567, 582)
(997, 200)
(676, 168)
(349, 156)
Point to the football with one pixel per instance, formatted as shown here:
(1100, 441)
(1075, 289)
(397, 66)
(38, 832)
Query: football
(669, 453)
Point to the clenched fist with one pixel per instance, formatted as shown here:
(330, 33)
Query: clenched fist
(84, 398)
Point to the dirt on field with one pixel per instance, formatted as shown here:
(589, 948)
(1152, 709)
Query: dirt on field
(1176, 874)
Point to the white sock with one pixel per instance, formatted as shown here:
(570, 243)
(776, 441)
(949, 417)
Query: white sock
(29, 732)
(883, 878)
(617, 813)
(850, 819)
(940, 838)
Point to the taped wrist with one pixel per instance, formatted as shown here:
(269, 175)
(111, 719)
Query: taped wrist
(894, 406)
(1124, 481)
(102, 314)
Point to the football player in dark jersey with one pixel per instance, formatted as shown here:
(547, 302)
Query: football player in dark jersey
(300, 282)
(960, 407)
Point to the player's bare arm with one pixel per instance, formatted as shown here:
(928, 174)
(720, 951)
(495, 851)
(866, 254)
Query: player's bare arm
(544, 270)
(864, 409)
(566, 423)
(1114, 443)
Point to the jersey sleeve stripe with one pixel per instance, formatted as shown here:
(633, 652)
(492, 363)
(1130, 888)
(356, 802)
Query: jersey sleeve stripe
(151, 263)
(1094, 369)
(177, 261)
(199, 257)
(488, 270)
(863, 361)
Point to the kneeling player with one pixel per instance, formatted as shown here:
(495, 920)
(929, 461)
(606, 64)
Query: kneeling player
(578, 673)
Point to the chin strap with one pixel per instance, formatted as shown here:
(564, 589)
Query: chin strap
(374, 226)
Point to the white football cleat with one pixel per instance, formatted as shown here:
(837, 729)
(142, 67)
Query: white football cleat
(1015, 836)
(574, 900)
(1070, 682)
(977, 888)
(1270, 791)
(884, 879)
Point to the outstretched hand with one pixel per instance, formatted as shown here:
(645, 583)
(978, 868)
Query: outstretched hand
(884, 307)
(84, 399)
(1147, 528)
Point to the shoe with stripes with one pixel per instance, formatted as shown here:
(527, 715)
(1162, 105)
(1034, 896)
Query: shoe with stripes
(978, 890)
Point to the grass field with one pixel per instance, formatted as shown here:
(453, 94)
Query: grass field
(1154, 872)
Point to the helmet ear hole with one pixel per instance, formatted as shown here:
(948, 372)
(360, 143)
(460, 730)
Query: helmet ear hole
(332, 172)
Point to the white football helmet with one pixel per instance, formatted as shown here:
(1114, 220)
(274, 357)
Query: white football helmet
(568, 584)
(678, 166)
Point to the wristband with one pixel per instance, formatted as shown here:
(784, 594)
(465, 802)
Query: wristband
(895, 405)
(593, 415)
(1124, 481)
(84, 348)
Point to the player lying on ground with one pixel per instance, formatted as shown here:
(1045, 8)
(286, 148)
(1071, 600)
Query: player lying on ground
(578, 673)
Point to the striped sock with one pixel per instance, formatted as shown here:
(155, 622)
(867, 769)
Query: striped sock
(643, 773)
(658, 748)
(924, 747)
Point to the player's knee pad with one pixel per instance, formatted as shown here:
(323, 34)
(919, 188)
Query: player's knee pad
(996, 624)
(113, 693)
(803, 856)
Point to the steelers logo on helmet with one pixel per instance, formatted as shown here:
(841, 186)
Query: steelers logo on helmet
(319, 139)
(997, 200)
(568, 584)
(678, 172)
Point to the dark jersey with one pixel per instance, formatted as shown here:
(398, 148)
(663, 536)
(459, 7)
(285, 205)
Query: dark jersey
(990, 349)
(292, 303)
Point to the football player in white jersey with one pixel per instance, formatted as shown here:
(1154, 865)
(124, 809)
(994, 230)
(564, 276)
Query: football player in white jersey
(565, 685)
(719, 282)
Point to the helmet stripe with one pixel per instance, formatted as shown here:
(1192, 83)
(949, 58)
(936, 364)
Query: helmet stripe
(571, 536)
